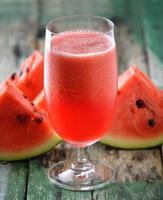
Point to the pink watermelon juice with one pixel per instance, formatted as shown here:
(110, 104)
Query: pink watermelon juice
(81, 85)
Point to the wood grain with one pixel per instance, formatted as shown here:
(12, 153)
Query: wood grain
(129, 51)
(153, 30)
(13, 180)
(51, 9)
(4, 174)
(131, 191)
(39, 186)
(15, 47)
(141, 168)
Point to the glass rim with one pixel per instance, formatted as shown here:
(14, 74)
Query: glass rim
(82, 16)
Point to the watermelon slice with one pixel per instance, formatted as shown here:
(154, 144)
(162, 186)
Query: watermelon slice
(25, 130)
(30, 78)
(138, 120)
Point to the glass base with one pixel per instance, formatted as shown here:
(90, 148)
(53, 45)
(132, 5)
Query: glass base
(66, 175)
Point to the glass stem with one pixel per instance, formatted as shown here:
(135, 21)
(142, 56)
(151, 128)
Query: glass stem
(82, 162)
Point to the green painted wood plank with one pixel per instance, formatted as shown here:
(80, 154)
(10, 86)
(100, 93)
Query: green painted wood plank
(129, 51)
(17, 46)
(145, 22)
(40, 188)
(133, 19)
(17, 10)
(119, 8)
(153, 30)
(51, 9)
(70, 195)
(13, 178)
(131, 191)
(139, 165)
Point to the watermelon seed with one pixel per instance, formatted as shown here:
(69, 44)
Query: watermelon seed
(27, 69)
(20, 73)
(25, 97)
(23, 117)
(32, 104)
(13, 76)
(140, 103)
(38, 120)
(151, 122)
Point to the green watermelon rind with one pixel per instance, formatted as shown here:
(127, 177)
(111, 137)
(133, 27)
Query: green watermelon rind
(35, 151)
(131, 143)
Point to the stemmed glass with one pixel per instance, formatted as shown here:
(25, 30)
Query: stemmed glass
(80, 85)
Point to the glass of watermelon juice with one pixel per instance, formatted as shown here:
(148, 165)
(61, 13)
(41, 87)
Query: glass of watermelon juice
(80, 84)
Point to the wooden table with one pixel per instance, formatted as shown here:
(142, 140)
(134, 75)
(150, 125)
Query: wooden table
(139, 36)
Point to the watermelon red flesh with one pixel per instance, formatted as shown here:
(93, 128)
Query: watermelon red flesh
(25, 130)
(138, 119)
(30, 79)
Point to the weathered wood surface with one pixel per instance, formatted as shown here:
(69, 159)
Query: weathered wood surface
(132, 166)
(139, 172)
(153, 30)
(16, 46)
(40, 188)
(13, 180)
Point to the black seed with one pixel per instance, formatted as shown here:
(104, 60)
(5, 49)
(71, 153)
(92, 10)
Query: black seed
(38, 120)
(25, 97)
(20, 73)
(32, 104)
(23, 117)
(140, 103)
(118, 93)
(13, 76)
(27, 70)
(151, 122)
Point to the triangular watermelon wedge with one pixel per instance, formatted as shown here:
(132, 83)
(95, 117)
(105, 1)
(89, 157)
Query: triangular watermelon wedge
(25, 130)
(138, 119)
